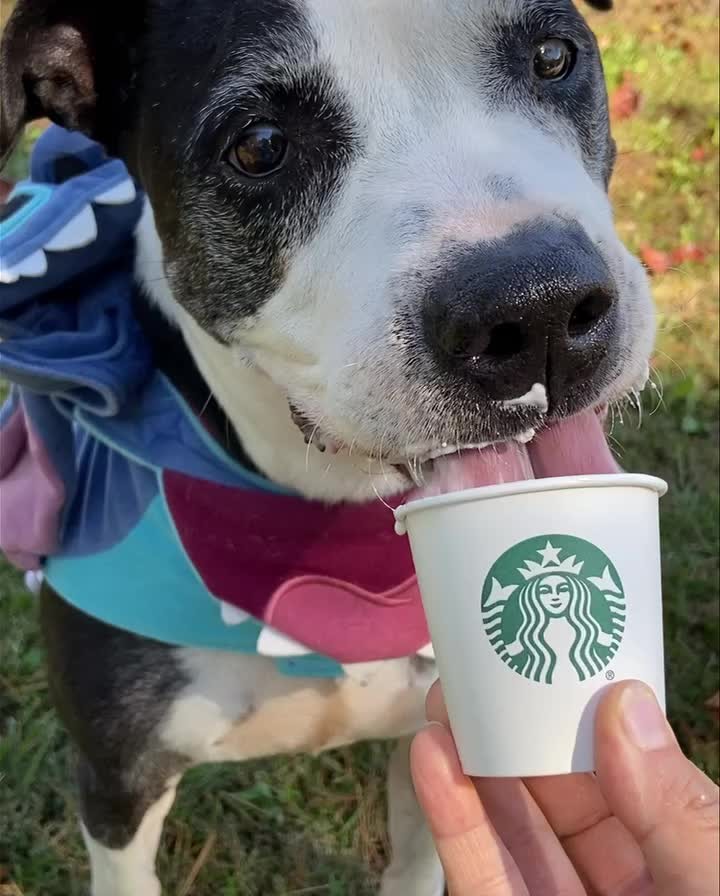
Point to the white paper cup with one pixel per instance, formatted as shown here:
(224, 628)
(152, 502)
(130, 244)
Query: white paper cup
(538, 595)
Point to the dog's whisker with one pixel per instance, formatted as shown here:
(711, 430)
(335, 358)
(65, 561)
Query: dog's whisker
(380, 497)
(206, 405)
(658, 388)
(613, 419)
(326, 471)
(674, 269)
(638, 402)
(675, 325)
(314, 432)
(415, 470)
(406, 452)
(617, 446)
(680, 369)
(381, 459)
(352, 445)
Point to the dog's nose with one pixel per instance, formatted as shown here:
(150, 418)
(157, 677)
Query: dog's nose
(538, 306)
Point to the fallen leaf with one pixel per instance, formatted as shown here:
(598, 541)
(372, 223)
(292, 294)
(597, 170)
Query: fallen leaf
(688, 252)
(656, 261)
(700, 154)
(625, 100)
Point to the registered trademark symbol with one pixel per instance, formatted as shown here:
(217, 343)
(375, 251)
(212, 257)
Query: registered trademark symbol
(610, 676)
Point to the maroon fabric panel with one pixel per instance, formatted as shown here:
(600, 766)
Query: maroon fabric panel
(335, 578)
(246, 544)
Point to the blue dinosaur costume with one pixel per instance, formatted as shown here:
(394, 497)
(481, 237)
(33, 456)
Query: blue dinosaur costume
(112, 486)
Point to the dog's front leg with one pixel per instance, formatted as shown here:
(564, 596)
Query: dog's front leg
(122, 831)
(415, 869)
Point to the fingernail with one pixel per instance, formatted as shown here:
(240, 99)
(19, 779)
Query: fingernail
(644, 722)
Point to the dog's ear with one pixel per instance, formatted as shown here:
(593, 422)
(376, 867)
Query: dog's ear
(605, 5)
(69, 61)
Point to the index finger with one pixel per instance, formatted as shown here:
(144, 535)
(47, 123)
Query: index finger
(475, 860)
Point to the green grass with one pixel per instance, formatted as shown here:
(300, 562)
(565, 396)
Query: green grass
(316, 826)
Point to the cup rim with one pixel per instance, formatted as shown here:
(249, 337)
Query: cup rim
(532, 486)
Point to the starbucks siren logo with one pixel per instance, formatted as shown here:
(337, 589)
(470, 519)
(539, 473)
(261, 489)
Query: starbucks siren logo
(561, 616)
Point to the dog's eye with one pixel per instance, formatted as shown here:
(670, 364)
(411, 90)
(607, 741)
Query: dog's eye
(260, 150)
(554, 59)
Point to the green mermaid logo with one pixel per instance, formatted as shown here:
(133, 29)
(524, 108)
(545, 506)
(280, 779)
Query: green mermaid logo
(562, 616)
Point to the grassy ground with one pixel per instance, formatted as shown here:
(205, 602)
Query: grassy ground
(315, 826)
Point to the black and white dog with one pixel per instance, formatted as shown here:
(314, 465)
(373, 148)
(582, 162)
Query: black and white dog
(350, 204)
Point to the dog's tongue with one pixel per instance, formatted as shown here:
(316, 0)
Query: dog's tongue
(573, 447)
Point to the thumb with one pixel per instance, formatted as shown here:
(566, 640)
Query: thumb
(667, 804)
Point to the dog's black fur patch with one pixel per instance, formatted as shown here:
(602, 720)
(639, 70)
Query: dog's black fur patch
(580, 99)
(227, 240)
(186, 77)
(68, 60)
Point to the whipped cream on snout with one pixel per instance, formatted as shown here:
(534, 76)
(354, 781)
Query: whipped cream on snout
(537, 397)
(576, 446)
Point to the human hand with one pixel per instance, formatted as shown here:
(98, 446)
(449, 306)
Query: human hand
(645, 825)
